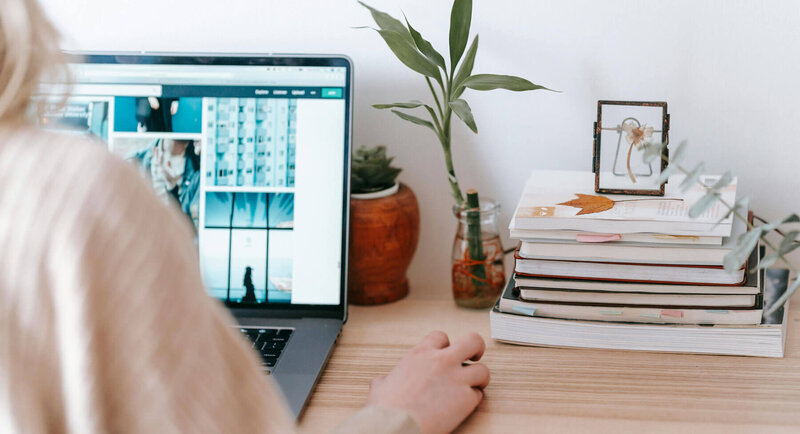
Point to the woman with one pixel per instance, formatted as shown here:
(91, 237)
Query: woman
(91, 339)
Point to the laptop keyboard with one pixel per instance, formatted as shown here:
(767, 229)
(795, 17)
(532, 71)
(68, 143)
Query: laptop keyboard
(269, 343)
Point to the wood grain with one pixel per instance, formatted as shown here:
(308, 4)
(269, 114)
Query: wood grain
(568, 390)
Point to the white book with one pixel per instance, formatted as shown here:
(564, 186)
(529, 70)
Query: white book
(543, 206)
(644, 299)
(766, 339)
(629, 272)
(644, 237)
(634, 253)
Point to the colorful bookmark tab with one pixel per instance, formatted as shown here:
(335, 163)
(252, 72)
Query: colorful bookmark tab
(524, 310)
(610, 312)
(672, 313)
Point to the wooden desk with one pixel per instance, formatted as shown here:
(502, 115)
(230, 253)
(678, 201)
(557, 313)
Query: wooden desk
(569, 390)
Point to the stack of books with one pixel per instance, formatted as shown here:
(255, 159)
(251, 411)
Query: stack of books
(634, 272)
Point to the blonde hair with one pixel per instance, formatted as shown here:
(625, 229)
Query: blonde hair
(29, 52)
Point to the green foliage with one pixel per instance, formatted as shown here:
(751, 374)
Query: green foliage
(747, 241)
(419, 55)
(372, 170)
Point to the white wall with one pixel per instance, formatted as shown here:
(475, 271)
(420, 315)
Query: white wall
(728, 69)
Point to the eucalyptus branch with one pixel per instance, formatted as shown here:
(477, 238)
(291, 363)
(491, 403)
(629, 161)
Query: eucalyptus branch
(760, 231)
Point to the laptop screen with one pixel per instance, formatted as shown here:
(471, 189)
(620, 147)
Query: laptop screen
(255, 156)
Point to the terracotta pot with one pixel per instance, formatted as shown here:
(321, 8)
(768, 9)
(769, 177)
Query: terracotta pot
(383, 238)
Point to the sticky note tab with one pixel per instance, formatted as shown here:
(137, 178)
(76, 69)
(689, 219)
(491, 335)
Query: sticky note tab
(610, 312)
(672, 313)
(597, 238)
(651, 315)
(524, 310)
(717, 311)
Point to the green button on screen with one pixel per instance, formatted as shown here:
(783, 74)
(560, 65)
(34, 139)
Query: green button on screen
(331, 92)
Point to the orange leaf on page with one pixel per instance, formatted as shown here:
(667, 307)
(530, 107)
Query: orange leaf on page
(590, 204)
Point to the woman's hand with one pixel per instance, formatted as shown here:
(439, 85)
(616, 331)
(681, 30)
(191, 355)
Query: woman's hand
(433, 384)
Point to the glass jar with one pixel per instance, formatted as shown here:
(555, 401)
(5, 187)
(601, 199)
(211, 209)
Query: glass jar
(478, 272)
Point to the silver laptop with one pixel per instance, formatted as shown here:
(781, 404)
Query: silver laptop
(255, 150)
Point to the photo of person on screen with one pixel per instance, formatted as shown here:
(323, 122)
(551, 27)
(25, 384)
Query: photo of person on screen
(173, 167)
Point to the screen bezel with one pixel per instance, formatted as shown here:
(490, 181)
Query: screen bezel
(269, 310)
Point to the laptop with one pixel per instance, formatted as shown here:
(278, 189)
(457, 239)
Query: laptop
(255, 151)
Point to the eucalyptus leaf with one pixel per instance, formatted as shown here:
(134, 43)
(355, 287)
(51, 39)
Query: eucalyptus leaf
(408, 54)
(793, 218)
(740, 206)
(789, 244)
(723, 181)
(462, 110)
(426, 48)
(703, 204)
(465, 69)
(782, 299)
(680, 152)
(460, 21)
(414, 119)
(744, 246)
(652, 151)
(388, 22)
(406, 105)
(667, 172)
(692, 178)
(769, 260)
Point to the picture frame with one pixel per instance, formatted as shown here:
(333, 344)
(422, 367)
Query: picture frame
(621, 133)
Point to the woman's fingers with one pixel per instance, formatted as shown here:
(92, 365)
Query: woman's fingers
(468, 347)
(435, 340)
(476, 375)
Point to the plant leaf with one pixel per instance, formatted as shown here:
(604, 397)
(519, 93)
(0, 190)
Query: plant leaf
(408, 54)
(495, 81)
(388, 22)
(460, 21)
(426, 48)
(652, 151)
(680, 152)
(465, 69)
(405, 105)
(782, 299)
(692, 178)
(740, 205)
(769, 260)
(789, 244)
(464, 113)
(793, 218)
(590, 204)
(744, 246)
(722, 182)
(414, 119)
(667, 172)
(703, 204)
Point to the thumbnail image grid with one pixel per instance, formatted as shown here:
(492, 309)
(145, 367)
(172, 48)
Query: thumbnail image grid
(253, 141)
(246, 246)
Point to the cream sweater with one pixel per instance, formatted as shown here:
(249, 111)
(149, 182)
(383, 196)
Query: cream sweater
(104, 322)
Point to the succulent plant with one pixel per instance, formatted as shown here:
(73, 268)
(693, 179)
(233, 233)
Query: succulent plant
(372, 170)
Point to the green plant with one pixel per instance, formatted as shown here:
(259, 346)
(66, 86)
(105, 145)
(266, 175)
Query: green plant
(749, 240)
(372, 170)
(419, 55)
(414, 51)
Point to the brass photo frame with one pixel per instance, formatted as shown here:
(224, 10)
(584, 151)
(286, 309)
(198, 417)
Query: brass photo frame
(625, 128)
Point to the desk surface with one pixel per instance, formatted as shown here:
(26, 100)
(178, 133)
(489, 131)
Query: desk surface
(560, 389)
